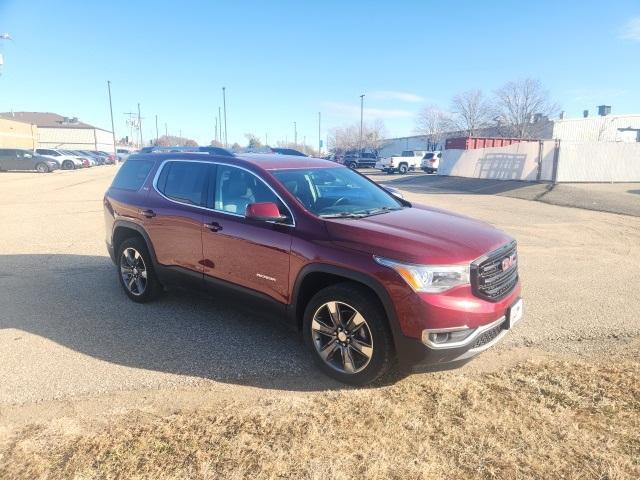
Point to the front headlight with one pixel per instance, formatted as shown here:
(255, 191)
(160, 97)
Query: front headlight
(429, 278)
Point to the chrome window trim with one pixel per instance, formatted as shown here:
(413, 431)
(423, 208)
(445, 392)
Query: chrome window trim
(164, 162)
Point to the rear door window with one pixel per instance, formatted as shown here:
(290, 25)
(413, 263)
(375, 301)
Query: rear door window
(184, 182)
(132, 174)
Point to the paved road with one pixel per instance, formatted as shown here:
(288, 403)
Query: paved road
(622, 198)
(66, 329)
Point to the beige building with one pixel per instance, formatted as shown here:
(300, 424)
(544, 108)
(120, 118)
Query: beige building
(56, 131)
(18, 134)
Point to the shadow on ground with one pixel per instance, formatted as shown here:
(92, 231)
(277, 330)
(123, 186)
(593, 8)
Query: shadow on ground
(75, 301)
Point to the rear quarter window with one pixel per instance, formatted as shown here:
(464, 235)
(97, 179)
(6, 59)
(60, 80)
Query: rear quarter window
(132, 174)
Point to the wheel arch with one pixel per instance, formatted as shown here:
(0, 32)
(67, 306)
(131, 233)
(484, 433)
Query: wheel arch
(314, 277)
(123, 229)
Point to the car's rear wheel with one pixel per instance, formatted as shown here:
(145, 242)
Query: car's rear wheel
(403, 169)
(346, 329)
(42, 168)
(135, 271)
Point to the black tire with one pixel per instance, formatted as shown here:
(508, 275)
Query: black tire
(42, 168)
(68, 165)
(353, 165)
(402, 169)
(367, 304)
(152, 287)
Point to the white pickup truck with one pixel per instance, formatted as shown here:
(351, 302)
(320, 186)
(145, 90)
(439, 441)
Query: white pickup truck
(408, 160)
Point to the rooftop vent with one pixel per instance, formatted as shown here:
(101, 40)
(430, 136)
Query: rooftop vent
(585, 113)
(562, 115)
(604, 110)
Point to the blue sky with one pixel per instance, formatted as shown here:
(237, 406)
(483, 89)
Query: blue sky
(284, 61)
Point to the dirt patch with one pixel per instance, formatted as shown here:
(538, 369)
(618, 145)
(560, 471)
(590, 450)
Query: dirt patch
(538, 419)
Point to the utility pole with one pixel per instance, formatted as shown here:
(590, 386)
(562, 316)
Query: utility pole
(140, 126)
(157, 135)
(220, 124)
(224, 104)
(215, 136)
(166, 131)
(266, 139)
(319, 139)
(304, 144)
(361, 118)
(295, 134)
(113, 130)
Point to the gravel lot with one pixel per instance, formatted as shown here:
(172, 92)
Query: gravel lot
(67, 332)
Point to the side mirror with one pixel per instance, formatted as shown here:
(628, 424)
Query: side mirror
(264, 212)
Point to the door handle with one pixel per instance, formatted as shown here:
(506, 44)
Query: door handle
(213, 226)
(148, 213)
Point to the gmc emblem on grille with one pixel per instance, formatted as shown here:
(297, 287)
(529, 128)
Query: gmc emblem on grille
(508, 262)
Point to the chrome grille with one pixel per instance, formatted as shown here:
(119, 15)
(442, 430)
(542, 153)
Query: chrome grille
(489, 280)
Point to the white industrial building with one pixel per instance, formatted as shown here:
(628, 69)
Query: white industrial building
(601, 128)
(57, 131)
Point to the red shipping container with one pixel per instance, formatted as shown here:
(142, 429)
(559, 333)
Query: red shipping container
(471, 143)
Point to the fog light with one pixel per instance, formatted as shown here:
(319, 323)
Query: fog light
(439, 337)
(445, 338)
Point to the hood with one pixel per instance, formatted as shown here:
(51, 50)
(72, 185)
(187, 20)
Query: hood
(420, 234)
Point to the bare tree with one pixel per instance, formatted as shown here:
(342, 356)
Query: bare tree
(173, 141)
(253, 141)
(432, 123)
(347, 138)
(518, 101)
(471, 111)
(300, 146)
(216, 143)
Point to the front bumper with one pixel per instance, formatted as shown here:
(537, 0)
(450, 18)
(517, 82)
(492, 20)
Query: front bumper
(435, 347)
(424, 357)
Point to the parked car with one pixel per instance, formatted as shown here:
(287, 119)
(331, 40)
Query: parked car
(408, 160)
(369, 278)
(359, 160)
(19, 159)
(66, 162)
(107, 158)
(431, 161)
(83, 158)
(123, 154)
(98, 159)
(287, 151)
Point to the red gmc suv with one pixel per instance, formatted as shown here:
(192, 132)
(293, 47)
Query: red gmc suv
(367, 277)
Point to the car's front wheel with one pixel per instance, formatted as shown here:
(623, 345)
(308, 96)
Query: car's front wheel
(353, 165)
(135, 271)
(346, 329)
(68, 165)
(42, 168)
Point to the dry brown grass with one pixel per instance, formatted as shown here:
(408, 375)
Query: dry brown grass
(537, 420)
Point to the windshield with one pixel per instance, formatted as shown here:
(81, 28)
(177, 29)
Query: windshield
(336, 192)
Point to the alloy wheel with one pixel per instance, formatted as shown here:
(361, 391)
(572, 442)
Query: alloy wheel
(133, 271)
(42, 168)
(342, 337)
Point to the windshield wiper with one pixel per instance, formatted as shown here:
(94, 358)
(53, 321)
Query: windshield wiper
(343, 215)
(377, 211)
(361, 213)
